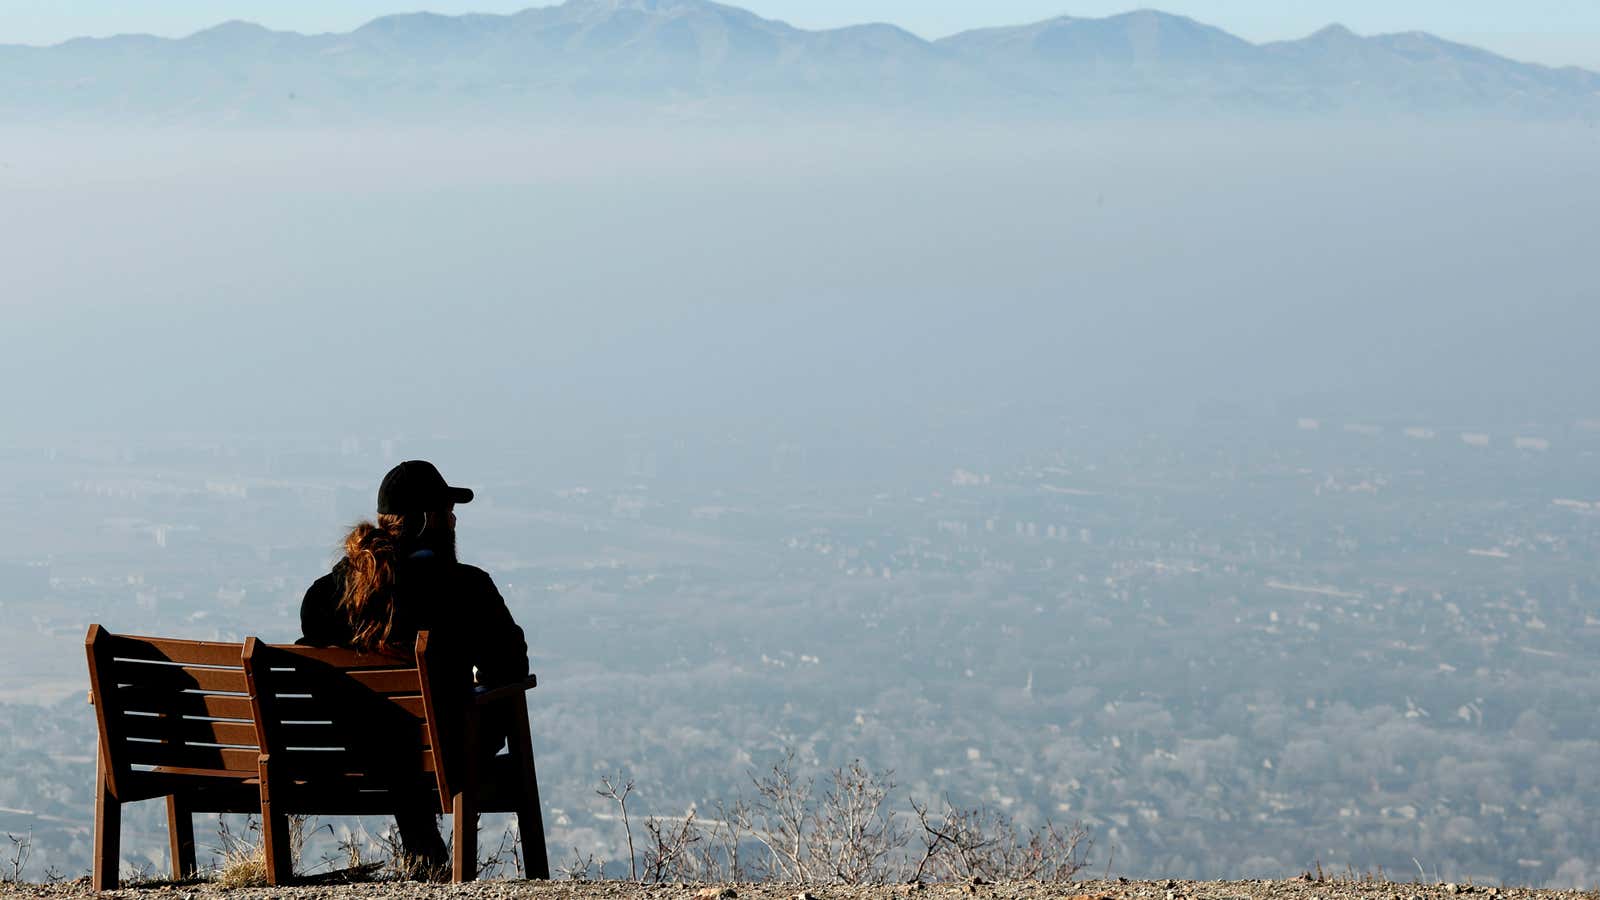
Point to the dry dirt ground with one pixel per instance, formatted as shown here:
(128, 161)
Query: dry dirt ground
(1292, 889)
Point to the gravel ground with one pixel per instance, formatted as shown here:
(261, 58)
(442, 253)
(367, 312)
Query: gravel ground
(1292, 889)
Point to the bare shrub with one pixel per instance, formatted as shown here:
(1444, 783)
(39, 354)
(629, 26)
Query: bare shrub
(960, 844)
(852, 835)
(718, 857)
(667, 856)
(144, 873)
(506, 858)
(16, 861)
(619, 796)
(847, 833)
(578, 868)
(780, 815)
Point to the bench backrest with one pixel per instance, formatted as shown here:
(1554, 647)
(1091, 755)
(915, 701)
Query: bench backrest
(167, 707)
(340, 720)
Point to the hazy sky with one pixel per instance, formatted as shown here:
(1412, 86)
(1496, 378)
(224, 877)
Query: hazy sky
(808, 279)
(1557, 32)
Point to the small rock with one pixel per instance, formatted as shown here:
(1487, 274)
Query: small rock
(805, 895)
(1453, 888)
(1122, 879)
(716, 893)
(1170, 884)
(1172, 895)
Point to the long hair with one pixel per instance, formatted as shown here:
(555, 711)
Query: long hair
(372, 554)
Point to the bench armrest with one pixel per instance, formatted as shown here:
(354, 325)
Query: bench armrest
(484, 696)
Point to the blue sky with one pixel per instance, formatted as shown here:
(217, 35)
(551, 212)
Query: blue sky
(1557, 32)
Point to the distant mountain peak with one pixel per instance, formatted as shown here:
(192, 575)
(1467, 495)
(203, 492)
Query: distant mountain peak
(1335, 31)
(232, 28)
(1150, 14)
(1142, 37)
(652, 6)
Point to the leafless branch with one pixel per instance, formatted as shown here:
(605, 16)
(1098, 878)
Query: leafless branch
(959, 844)
(666, 858)
(17, 862)
(619, 796)
(578, 868)
(781, 810)
(851, 832)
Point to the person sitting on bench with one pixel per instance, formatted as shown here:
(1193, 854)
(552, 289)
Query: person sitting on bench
(400, 576)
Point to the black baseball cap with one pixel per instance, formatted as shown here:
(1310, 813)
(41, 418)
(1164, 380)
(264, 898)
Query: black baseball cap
(416, 487)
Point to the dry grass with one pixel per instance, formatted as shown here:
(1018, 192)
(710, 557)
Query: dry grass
(244, 856)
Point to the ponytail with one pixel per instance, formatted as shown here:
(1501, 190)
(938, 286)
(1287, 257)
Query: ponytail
(372, 555)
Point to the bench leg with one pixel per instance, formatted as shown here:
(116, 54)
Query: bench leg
(464, 840)
(180, 835)
(530, 818)
(530, 827)
(107, 833)
(274, 833)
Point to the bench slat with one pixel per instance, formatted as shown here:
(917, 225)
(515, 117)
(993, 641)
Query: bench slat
(244, 777)
(195, 653)
(173, 677)
(229, 759)
(323, 708)
(313, 764)
(339, 734)
(174, 728)
(317, 681)
(139, 699)
(341, 658)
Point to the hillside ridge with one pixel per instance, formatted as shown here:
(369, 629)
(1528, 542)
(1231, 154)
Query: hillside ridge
(591, 8)
(668, 52)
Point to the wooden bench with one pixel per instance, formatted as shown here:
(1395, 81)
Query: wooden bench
(289, 730)
(348, 733)
(175, 721)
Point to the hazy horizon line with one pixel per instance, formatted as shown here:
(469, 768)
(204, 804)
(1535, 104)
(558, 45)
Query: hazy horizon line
(864, 24)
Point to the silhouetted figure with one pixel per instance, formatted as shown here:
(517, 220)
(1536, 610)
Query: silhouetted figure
(400, 576)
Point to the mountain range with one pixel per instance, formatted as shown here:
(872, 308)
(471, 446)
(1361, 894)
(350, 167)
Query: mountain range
(700, 57)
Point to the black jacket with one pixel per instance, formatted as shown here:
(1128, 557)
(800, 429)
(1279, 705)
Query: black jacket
(458, 605)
